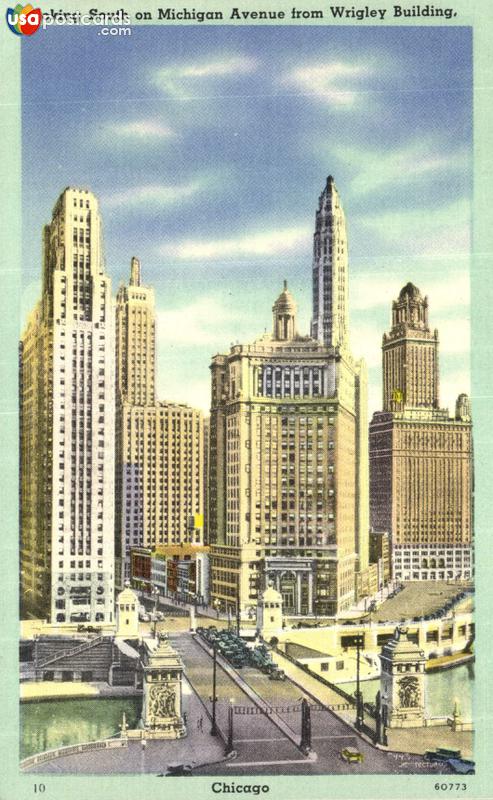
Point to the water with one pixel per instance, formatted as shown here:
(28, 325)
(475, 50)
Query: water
(441, 690)
(45, 726)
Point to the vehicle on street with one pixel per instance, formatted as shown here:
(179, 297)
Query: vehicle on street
(441, 754)
(179, 769)
(352, 755)
(277, 674)
(144, 617)
(462, 766)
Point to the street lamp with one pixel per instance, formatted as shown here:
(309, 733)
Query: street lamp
(238, 614)
(229, 746)
(359, 703)
(213, 699)
(155, 593)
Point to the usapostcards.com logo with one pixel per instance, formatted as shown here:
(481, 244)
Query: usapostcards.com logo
(24, 20)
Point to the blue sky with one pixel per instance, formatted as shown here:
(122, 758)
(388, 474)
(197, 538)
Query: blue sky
(208, 148)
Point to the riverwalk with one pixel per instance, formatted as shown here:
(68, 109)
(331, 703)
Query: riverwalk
(37, 691)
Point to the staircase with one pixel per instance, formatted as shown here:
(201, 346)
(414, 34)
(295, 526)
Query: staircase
(71, 652)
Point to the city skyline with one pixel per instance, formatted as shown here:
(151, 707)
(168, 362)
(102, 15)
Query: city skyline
(216, 236)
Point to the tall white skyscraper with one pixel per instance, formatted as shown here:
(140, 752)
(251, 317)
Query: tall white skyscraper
(330, 322)
(67, 420)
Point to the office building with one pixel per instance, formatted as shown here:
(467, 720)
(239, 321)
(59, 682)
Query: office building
(421, 469)
(160, 445)
(67, 407)
(288, 485)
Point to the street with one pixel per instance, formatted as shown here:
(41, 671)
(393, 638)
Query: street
(262, 748)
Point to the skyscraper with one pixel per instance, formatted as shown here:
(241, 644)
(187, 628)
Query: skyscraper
(67, 425)
(135, 340)
(420, 459)
(330, 323)
(159, 445)
(288, 486)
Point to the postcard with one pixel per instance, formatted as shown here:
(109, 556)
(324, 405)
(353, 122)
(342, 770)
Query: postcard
(245, 400)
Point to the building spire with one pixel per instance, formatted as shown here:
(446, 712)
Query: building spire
(134, 272)
(330, 270)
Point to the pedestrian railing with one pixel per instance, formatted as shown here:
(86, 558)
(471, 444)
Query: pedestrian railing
(59, 752)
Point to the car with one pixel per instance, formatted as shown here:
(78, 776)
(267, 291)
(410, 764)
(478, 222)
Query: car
(81, 616)
(441, 754)
(179, 769)
(352, 755)
(144, 617)
(463, 766)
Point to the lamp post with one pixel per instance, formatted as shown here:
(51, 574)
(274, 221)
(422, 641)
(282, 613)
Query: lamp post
(214, 696)
(238, 617)
(229, 746)
(154, 593)
(359, 703)
(306, 727)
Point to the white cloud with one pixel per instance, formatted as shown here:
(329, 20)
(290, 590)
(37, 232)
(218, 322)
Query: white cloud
(256, 243)
(420, 159)
(178, 388)
(434, 232)
(207, 321)
(139, 129)
(454, 335)
(336, 83)
(157, 194)
(366, 340)
(180, 80)
(368, 291)
(451, 385)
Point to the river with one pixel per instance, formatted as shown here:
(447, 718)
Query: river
(47, 725)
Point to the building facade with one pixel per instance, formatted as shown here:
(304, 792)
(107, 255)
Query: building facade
(421, 468)
(67, 405)
(159, 445)
(288, 486)
(180, 572)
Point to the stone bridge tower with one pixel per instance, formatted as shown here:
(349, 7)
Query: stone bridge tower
(402, 682)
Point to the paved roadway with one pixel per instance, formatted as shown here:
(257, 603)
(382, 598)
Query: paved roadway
(262, 748)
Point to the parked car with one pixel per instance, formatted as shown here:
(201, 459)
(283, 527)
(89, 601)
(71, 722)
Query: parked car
(144, 617)
(277, 674)
(462, 765)
(352, 755)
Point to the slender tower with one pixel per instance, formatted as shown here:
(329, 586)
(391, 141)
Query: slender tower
(330, 323)
(135, 340)
(67, 407)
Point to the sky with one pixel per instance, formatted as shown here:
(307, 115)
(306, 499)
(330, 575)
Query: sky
(208, 148)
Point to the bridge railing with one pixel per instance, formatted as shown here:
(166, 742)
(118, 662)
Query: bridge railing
(50, 755)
